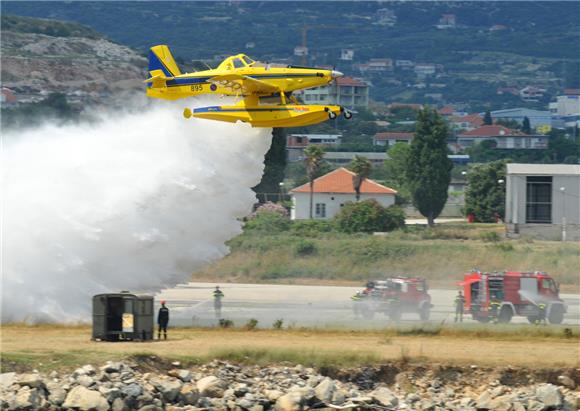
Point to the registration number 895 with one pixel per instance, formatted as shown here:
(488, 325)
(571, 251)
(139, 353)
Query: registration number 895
(196, 87)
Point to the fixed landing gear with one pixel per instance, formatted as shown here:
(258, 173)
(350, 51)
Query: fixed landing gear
(331, 114)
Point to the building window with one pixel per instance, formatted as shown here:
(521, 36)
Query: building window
(320, 210)
(539, 199)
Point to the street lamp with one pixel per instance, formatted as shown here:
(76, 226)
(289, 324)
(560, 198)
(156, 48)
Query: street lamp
(563, 191)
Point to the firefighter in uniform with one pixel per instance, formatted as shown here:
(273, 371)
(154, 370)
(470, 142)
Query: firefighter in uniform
(217, 301)
(494, 307)
(459, 304)
(356, 304)
(541, 314)
(162, 320)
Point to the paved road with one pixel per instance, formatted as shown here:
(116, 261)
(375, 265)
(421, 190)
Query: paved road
(301, 305)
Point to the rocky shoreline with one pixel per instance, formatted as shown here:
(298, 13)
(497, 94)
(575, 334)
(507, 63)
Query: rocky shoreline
(148, 385)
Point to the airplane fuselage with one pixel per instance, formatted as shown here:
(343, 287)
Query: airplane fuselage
(285, 79)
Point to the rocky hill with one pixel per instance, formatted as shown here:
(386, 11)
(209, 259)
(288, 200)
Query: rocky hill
(42, 56)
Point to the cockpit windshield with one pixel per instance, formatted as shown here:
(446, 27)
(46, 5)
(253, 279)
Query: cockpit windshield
(548, 284)
(238, 63)
(248, 60)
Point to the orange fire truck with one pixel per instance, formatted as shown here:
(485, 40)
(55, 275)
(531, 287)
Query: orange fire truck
(499, 296)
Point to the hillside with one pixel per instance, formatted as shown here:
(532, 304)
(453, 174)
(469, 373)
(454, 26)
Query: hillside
(487, 45)
(41, 56)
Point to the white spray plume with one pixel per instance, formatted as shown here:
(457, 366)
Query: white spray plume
(133, 202)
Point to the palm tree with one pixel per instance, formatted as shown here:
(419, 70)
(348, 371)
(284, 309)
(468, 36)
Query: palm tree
(361, 166)
(313, 160)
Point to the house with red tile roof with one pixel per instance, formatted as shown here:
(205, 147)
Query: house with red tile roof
(391, 138)
(504, 138)
(332, 191)
(468, 122)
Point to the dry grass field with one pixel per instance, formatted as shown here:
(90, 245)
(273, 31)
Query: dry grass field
(64, 347)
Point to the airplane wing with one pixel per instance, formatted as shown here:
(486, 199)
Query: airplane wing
(245, 84)
(158, 78)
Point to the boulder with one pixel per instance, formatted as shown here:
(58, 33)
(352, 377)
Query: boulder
(85, 381)
(112, 367)
(169, 388)
(549, 395)
(339, 397)
(119, 405)
(273, 395)
(566, 382)
(211, 387)
(385, 397)
(484, 401)
(7, 379)
(292, 401)
(188, 394)
(184, 375)
(84, 399)
(56, 394)
(325, 390)
(30, 380)
(131, 390)
(28, 399)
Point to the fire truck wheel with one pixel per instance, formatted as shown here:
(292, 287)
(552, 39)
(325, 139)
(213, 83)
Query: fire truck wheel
(556, 315)
(424, 313)
(505, 314)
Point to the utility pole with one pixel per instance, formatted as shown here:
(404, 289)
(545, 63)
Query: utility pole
(563, 191)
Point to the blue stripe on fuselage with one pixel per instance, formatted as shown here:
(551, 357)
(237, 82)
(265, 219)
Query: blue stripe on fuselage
(233, 110)
(186, 81)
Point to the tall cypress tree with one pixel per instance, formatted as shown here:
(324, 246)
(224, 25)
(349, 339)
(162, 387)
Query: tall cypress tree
(275, 164)
(526, 127)
(428, 170)
(487, 120)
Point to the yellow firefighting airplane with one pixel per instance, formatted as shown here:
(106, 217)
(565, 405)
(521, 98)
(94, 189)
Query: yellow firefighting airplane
(265, 90)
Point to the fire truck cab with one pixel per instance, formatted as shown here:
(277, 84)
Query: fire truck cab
(395, 296)
(500, 296)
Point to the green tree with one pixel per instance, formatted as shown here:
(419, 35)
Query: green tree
(275, 164)
(485, 191)
(361, 167)
(428, 170)
(395, 169)
(561, 147)
(526, 127)
(487, 120)
(314, 156)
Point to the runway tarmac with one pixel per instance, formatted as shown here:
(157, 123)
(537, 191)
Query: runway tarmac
(191, 304)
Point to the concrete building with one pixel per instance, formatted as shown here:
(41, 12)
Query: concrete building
(566, 110)
(346, 91)
(389, 139)
(332, 191)
(504, 138)
(543, 201)
(296, 143)
(340, 158)
(537, 117)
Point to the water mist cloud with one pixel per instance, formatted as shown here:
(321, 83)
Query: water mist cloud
(135, 202)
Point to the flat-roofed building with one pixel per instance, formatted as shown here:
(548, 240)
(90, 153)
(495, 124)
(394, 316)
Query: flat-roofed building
(543, 201)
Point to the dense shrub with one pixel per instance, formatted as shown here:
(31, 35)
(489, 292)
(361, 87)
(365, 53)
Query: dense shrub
(251, 324)
(369, 216)
(304, 248)
(310, 228)
(268, 222)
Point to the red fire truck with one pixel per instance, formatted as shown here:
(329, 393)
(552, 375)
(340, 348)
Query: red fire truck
(395, 296)
(500, 296)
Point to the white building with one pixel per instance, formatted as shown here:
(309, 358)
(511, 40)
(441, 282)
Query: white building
(504, 138)
(296, 143)
(543, 201)
(566, 109)
(537, 117)
(390, 138)
(346, 91)
(347, 54)
(340, 158)
(332, 191)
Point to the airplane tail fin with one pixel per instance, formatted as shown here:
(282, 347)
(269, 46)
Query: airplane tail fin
(162, 66)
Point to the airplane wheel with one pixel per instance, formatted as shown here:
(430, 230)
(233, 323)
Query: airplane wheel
(331, 115)
(347, 114)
